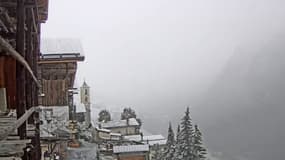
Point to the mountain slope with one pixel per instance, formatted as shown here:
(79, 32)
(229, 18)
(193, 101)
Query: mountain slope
(245, 105)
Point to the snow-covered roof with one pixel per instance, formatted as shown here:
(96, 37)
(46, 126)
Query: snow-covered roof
(145, 138)
(103, 130)
(130, 148)
(133, 138)
(151, 140)
(61, 46)
(153, 137)
(159, 142)
(120, 123)
(116, 134)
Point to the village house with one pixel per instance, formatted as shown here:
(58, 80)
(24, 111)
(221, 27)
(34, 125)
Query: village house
(57, 71)
(123, 127)
(131, 152)
(155, 142)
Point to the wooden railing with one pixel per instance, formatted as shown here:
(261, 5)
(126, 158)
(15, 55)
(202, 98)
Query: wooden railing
(11, 127)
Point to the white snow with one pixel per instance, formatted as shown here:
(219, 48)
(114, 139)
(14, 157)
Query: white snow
(130, 148)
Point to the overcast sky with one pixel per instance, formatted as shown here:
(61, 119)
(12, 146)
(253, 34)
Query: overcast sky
(142, 51)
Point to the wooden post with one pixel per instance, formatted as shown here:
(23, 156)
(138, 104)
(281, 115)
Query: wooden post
(20, 70)
(29, 59)
(35, 102)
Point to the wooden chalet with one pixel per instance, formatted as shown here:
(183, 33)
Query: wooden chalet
(20, 27)
(57, 69)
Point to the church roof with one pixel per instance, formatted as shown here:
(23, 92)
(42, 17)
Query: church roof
(85, 84)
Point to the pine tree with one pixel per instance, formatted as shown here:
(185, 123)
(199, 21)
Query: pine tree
(157, 153)
(104, 116)
(185, 144)
(178, 132)
(199, 150)
(169, 149)
(128, 113)
(170, 137)
(177, 145)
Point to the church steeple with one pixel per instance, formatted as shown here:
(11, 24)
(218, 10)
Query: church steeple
(85, 93)
(85, 99)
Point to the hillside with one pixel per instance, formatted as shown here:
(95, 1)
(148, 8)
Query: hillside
(245, 104)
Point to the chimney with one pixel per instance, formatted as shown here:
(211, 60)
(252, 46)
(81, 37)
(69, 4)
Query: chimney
(141, 136)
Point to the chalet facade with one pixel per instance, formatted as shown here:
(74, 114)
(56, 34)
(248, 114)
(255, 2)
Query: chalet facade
(20, 26)
(57, 68)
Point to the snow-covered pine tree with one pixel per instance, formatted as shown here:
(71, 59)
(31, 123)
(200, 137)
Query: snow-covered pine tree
(177, 145)
(185, 146)
(157, 152)
(178, 132)
(199, 150)
(169, 149)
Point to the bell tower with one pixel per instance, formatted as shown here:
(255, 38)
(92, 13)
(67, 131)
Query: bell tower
(85, 99)
(85, 93)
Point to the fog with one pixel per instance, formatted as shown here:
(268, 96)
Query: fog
(159, 56)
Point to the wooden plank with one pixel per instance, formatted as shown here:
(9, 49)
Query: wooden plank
(34, 21)
(13, 138)
(10, 158)
(16, 142)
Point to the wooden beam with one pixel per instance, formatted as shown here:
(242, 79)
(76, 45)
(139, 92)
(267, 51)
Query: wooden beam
(23, 141)
(34, 21)
(20, 71)
(36, 51)
(29, 59)
(10, 158)
(7, 20)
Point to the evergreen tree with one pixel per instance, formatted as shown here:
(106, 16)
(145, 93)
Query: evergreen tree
(170, 137)
(128, 113)
(170, 145)
(199, 150)
(185, 142)
(157, 153)
(177, 133)
(178, 147)
(104, 116)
